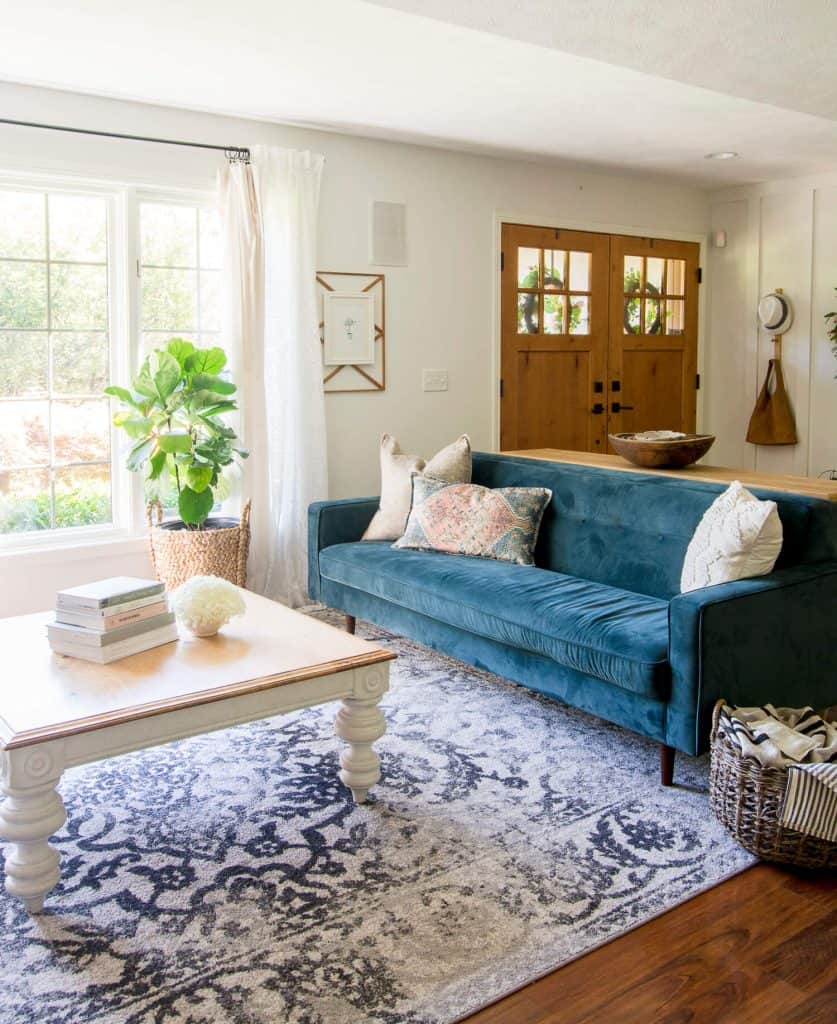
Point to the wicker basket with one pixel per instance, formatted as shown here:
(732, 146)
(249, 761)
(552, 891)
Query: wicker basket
(747, 799)
(180, 554)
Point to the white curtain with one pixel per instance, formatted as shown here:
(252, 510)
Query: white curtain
(269, 211)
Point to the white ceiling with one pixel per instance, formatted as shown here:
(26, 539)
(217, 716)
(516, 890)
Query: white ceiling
(719, 73)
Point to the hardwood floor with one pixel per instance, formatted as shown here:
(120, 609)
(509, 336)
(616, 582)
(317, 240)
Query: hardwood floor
(759, 948)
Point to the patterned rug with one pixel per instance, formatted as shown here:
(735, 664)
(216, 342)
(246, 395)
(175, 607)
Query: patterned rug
(229, 879)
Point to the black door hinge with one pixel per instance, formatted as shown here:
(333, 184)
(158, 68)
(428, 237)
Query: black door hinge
(616, 385)
(697, 382)
(501, 387)
(700, 275)
(598, 386)
(502, 261)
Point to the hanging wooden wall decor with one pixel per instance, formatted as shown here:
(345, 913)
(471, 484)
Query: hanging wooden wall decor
(344, 298)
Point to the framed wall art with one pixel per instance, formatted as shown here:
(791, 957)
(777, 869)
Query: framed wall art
(352, 330)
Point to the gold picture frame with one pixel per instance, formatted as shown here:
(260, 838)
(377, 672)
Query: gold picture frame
(348, 377)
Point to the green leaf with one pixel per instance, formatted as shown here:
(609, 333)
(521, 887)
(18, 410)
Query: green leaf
(216, 427)
(194, 506)
(175, 441)
(134, 426)
(220, 408)
(181, 349)
(199, 477)
(144, 384)
(206, 360)
(165, 371)
(210, 382)
(158, 464)
(138, 454)
(123, 394)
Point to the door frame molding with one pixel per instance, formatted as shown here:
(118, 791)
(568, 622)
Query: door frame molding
(554, 221)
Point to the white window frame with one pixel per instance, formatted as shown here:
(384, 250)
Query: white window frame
(124, 291)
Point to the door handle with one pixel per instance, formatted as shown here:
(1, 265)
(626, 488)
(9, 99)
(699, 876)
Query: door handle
(597, 409)
(618, 407)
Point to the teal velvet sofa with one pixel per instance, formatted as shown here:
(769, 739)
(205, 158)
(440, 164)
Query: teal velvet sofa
(599, 622)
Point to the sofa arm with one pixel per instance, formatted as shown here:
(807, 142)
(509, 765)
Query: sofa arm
(334, 522)
(772, 638)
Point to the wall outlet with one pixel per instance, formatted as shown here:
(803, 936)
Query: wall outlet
(434, 380)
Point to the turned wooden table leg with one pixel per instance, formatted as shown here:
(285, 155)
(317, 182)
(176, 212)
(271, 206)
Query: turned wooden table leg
(666, 765)
(31, 812)
(351, 623)
(360, 722)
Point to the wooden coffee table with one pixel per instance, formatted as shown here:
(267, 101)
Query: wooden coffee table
(56, 711)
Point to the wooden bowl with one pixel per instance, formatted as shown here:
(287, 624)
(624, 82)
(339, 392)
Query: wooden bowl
(662, 454)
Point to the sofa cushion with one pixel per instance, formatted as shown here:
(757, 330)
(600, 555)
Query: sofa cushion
(612, 634)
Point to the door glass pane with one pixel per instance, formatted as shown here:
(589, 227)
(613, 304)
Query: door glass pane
(79, 296)
(23, 225)
(675, 277)
(82, 496)
(23, 295)
(675, 316)
(24, 434)
(24, 363)
(633, 273)
(528, 262)
(553, 314)
(527, 314)
(79, 362)
(554, 268)
(78, 228)
(580, 271)
(579, 314)
(80, 431)
(24, 501)
(630, 316)
(653, 321)
(654, 275)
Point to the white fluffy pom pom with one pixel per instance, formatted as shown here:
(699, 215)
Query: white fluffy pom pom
(204, 603)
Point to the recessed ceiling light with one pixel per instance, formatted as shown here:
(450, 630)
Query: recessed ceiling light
(725, 154)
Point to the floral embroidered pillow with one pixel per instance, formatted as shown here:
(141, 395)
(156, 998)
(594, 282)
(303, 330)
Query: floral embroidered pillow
(467, 519)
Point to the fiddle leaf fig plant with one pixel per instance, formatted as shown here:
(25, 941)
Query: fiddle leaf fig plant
(173, 414)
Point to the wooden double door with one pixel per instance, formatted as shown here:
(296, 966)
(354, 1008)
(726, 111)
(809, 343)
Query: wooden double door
(599, 335)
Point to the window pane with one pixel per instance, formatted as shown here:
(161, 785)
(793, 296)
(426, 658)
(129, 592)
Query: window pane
(580, 271)
(554, 268)
(676, 277)
(169, 300)
(168, 235)
(210, 239)
(80, 431)
(675, 316)
(24, 362)
(527, 314)
(24, 434)
(23, 295)
(553, 314)
(210, 311)
(653, 321)
(79, 296)
(79, 362)
(630, 316)
(654, 275)
(579, 314)
(22, 225)
(528, 262)
(633, 273)
(82, 496)
(78, 228)
(24, 501)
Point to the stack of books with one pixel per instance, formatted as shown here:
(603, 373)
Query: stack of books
(111, 619)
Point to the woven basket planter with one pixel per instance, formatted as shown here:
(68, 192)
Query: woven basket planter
(220, 549)
(747, 799)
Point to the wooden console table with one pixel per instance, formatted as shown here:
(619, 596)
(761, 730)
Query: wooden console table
(826, 490)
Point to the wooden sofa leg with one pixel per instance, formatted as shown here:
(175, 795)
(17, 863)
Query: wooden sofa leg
(666, 765)
(351, 623)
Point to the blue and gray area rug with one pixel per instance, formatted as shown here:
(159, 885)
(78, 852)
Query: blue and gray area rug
(229, 879)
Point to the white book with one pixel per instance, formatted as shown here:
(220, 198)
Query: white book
(114, 615)
(97, 638)
(106, 593)
(122, 649)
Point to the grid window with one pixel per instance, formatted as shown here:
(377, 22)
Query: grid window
(55, 457)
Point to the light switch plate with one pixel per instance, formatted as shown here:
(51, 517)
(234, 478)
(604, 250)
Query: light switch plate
(434, 380)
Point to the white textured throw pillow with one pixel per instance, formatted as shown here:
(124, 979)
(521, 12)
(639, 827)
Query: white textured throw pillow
(737, 538)
(452, 464)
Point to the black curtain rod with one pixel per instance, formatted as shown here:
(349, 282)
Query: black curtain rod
(231, 152)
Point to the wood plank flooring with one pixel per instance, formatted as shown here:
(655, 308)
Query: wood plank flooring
(761, 947)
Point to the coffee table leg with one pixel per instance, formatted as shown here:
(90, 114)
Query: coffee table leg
(31, 812)
(360, 722)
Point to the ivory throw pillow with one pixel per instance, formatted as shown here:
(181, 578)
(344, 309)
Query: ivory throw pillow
(738, 537)
(467, 519)
(452, 464)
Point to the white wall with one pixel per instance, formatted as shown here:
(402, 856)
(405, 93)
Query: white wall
(440, 308)
(780, 235)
